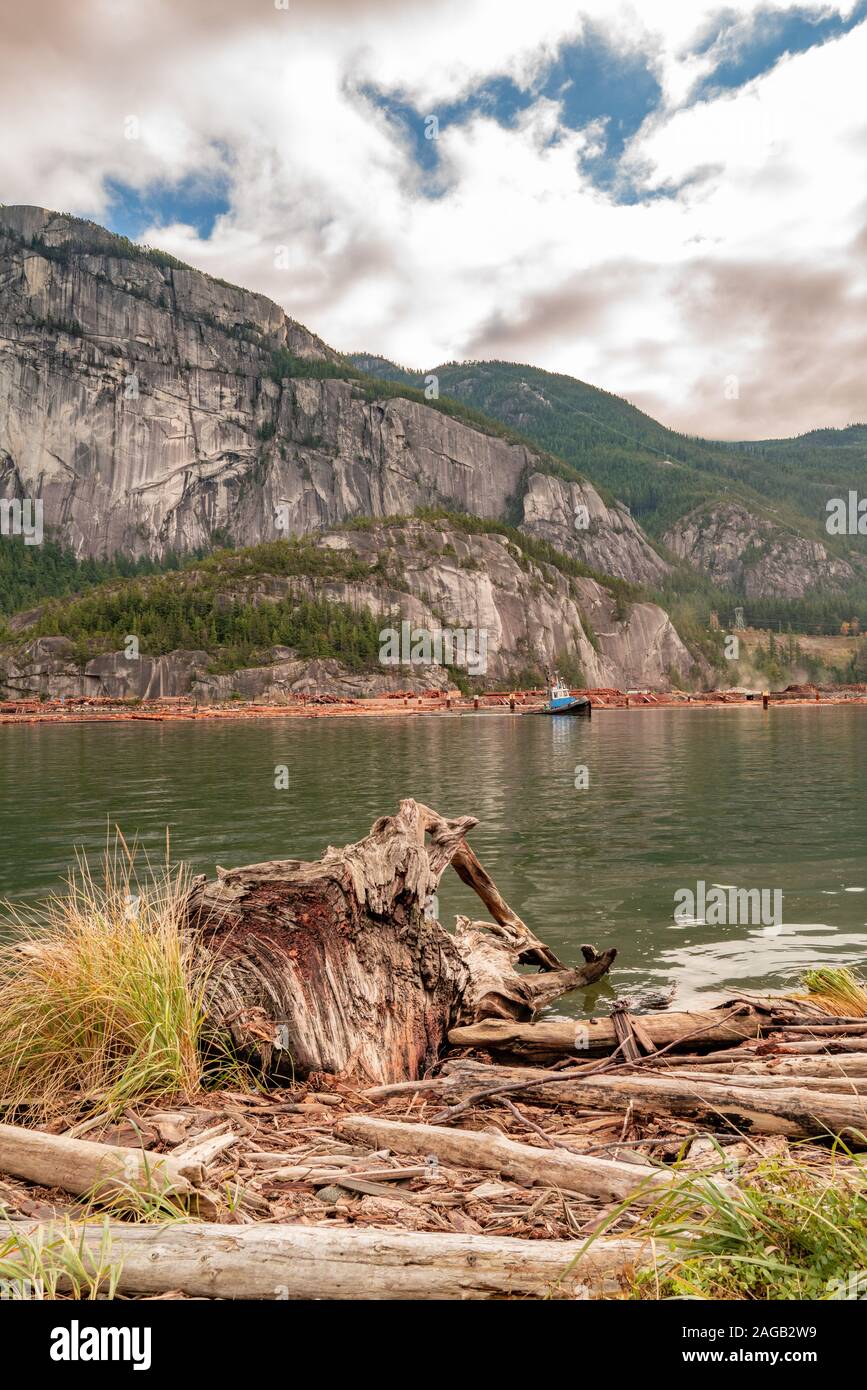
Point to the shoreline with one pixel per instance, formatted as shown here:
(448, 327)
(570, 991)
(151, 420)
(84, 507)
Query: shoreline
(103, 709)
(503, 1152)
(515, 1201)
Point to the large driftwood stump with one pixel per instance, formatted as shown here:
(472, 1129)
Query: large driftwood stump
(339, 966)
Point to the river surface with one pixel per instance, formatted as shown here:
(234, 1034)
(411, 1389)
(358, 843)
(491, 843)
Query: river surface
(773, 800)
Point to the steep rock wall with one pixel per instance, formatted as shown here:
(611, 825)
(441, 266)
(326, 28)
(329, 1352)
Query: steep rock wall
(752, 556)
(136, 401)
(532, 615)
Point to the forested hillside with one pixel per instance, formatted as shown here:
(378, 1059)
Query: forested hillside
(30, 573)
(659, 473)
(209, 603)
(327, 598)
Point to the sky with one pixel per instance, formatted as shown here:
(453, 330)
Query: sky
(666, 199)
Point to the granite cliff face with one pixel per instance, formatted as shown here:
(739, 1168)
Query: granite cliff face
(136, 400)
(752, 556)
(532, 614)
(680, 482)
(574, 519)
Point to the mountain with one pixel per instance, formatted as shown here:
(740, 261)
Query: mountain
(154, 409)
(748, 516)
(284, 617)
(157, 413)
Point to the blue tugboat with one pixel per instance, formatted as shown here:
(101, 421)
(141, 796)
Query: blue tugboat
(561, 702)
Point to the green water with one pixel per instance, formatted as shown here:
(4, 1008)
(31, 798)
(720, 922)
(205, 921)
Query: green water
(765, 800)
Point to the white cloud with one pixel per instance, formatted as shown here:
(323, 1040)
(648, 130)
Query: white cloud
(520, 254)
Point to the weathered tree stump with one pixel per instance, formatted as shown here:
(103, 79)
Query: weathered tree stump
(338, 966)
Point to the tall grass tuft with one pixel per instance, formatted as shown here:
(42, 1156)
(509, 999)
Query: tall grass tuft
(42, 1263)
(791, 1233)
(837, 991)
(98, 1009)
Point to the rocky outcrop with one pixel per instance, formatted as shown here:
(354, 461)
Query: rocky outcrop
(137, 400)
(752, 556)
(289, 676)
(50, 666)
(527, 617)
(533, 615)
(574, 519)
(47, 667)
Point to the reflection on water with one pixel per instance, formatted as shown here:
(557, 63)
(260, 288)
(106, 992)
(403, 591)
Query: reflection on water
(765, 800)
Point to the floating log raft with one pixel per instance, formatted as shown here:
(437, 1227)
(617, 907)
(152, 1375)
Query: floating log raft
(338, 966)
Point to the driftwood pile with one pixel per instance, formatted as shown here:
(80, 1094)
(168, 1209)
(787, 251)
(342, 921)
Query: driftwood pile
(437, 1139)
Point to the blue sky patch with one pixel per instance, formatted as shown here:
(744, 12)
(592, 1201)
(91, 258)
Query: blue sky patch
(196, 201)
(593, 81)
(771, 35)
(500, 98)
(590, 79)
